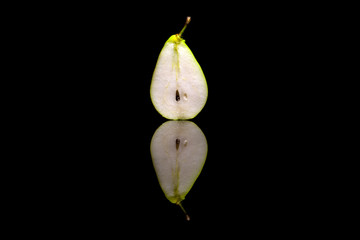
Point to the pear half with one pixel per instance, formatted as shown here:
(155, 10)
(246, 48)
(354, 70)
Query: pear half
(178, 151)
(178, 88)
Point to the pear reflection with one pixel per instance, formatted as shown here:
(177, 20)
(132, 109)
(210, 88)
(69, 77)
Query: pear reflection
(178, 151)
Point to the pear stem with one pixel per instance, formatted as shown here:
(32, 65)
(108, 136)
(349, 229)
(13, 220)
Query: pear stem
(182, 208)
(186, 23)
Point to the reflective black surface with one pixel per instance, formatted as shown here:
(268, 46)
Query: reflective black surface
(99, 121)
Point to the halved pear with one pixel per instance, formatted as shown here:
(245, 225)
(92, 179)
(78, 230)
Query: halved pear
(178, 88)
(178, 151)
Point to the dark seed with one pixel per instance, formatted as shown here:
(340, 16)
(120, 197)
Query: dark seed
(177, 96)
(177, 143)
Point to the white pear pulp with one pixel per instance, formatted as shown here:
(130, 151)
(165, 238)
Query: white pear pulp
(178, 87)
(178, 151)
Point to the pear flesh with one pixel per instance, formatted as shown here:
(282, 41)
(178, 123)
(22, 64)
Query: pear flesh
(178, 88)
(178, 151)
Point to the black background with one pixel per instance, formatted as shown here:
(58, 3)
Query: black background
(96, 64)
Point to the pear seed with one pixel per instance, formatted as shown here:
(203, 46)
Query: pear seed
(177, 96)
(177, 142)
